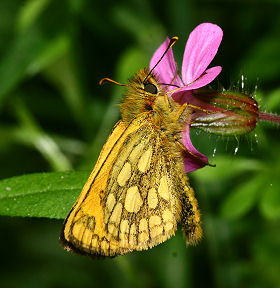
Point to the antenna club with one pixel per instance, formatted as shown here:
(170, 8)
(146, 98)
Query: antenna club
(173, 40)
(101, 82)
(104, 80)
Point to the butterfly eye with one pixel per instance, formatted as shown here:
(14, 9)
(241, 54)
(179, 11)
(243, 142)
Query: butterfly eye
(150, 88)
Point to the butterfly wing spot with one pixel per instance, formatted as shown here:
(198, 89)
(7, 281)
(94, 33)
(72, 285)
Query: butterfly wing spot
(124, 175)
(113, 225)
(143, 225)
(163, 188)
(95, 241)
(116, 215)
(145, 160)
(152, 198)
(105, 245)
(168, 219)
(143, 230)
(137, 151)
(133, 200)
(154, 221)
(110, 203)
(143, 237)
(155, 225)
(132, 234)
(113, 230)
(124, 230)
(156, 231)
(168, 226)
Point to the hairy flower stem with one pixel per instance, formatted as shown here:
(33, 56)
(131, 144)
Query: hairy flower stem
(269, 117)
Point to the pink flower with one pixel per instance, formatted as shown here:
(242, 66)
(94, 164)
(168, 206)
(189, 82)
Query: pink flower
(200, 50)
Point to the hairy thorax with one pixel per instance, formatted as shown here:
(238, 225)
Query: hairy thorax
(146, 95)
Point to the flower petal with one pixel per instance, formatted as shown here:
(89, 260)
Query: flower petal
(194, 159)
(201, 48)
(166, 70)
(207, 77)
(182, 97)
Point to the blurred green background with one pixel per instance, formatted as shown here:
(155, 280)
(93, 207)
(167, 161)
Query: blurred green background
(55, 117)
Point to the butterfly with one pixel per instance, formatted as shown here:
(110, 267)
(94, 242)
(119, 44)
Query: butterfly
(138, 191)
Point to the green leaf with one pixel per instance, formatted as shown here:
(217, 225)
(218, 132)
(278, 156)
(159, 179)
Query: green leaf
(272, 101)
(241, 199)
(53, 50)
(32, 133)
(263, 54)
(227, 167)
(13, 65)
(270, 202)
(48, 195)
(29, 12)
(63, 74)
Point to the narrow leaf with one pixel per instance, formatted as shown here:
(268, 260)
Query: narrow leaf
(14, 64)
(270, 202)
(29, 12)
(241, 199)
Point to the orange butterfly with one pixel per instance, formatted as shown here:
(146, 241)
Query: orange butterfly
(138, 190)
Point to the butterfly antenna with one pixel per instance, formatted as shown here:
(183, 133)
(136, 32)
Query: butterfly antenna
(104, 80)
(173, 40)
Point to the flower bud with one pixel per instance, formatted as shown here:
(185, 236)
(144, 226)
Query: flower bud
(226, 112)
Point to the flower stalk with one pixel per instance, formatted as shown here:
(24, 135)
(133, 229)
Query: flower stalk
(269, 117)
